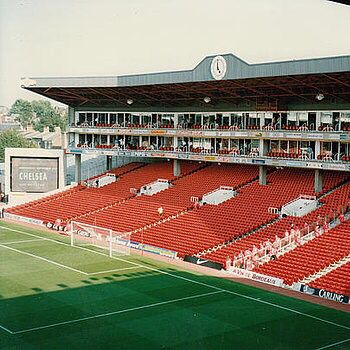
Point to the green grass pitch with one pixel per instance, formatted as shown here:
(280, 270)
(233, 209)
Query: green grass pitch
(53, 296)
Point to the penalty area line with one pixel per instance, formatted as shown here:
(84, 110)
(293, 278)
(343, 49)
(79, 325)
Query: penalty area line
(44, 259)
(147, 306)
(23, 241)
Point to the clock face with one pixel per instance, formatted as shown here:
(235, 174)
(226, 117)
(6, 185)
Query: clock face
(218, 67)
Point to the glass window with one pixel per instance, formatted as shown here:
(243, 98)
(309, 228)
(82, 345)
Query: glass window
(326, 117)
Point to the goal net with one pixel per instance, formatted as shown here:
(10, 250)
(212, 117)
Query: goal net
(116, 243)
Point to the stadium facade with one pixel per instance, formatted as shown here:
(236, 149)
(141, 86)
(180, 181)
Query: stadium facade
(280, 114)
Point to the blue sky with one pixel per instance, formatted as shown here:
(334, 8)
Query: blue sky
(115, 37)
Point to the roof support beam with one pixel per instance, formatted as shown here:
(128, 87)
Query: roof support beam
(108, 96)
(337, 80)
(85, 99)
(291, 92)
(318, 89)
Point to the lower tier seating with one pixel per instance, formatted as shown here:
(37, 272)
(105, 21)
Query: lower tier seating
(337, 281)
(211, 225)
(311, 257)
(331, 205)
(174, 200)
(81, 199)
(130, 215)
(209, 178)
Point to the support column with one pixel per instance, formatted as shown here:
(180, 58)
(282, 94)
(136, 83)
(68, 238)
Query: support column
(109, 162)
(78, 168)
(176, 120)
(140, 141)
(261, 120)
(318, 120)
(64, 182)
(64, 140)
(318, 180)
(262, 175)
(177, 169)
(72, 117)
(317, 149)
(263, 147)
(76, 139)
(175, 142)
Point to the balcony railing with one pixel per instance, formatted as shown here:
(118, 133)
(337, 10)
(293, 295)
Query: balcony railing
(233, 152)
(268, 127)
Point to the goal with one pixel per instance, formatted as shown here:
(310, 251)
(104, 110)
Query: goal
(116, 243)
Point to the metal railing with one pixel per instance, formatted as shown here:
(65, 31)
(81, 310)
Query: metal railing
(293, 238)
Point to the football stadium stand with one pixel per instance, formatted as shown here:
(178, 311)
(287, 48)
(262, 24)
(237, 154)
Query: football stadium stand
(227, 151)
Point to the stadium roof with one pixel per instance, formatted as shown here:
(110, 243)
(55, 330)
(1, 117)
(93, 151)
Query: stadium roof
(243, 82)
(345, 2)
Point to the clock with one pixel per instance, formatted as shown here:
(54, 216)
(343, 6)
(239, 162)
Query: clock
(218, 67)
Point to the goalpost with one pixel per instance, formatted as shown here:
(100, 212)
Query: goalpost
(117, 243)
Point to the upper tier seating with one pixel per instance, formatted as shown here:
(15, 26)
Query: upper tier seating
(311, 257)
(337, 281)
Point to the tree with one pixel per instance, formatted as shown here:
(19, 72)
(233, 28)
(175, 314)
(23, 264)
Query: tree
(24, 111)
(40, 114)
(47, 116)
(12, 138)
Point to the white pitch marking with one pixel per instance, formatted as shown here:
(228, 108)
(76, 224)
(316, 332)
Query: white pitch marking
(44, 259)
(24, 241)
(330, 345)
(193, 281)
(115, 270)
(6, 329)
(116, 312)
